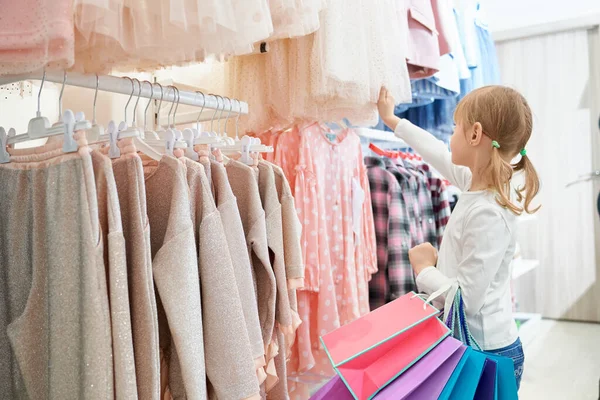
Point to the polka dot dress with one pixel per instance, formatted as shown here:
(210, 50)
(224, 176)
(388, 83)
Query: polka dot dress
(339, 261)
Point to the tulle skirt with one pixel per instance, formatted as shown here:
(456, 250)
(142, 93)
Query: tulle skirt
(335, 73)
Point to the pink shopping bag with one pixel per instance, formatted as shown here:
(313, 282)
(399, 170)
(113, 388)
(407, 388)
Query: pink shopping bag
(372, 351)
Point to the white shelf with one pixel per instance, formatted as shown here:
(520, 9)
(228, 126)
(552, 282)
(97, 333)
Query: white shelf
(522, 266)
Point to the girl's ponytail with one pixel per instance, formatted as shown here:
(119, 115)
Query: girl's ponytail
(501, 173)
(532, 183)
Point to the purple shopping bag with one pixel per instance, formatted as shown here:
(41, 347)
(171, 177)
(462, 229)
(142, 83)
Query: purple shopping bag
(487, 388)
(426, 379)
(334, 389)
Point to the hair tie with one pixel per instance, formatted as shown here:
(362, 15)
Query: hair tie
(523, 152)
(495, 144)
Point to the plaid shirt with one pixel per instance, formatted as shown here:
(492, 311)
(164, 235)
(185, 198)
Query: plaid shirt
(427, 215)
(410, 192)
(439, 201)
(393, 235)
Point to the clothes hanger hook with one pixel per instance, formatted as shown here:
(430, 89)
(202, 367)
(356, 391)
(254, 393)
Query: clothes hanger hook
(237, 119)
(202, 109)
(176, 106)
(95, 98)
(228, 115)
(149, 101)
(137, 101)
(130, 96)
(171, 109)
(62, 90)
(212, 120)
(221, 115)
(39, 110)
(162, 94)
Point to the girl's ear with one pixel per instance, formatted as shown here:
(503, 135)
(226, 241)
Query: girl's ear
(476, 134)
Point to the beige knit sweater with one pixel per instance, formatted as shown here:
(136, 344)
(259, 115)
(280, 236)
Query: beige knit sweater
(236, 242)
(55, 333)
(115, 260)
(245, 188)
(175, 269)
(131, 188)
(228, 354)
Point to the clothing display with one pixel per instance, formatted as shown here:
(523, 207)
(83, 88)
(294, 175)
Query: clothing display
(177, 305)
(318, 77)
(470, 64)
(94, 36)
(54, 281)
(142, 268)
(410, 207)
(329, 181)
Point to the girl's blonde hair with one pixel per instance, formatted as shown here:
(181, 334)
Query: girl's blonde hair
(506, 118)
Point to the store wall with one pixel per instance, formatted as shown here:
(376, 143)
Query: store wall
(504, 15)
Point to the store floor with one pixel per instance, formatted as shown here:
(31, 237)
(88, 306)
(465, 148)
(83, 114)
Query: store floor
(562, 362)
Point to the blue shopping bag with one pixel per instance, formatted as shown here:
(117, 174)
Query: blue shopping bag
(478, 375)
(487, 389)
(505, 378)
(463, 383)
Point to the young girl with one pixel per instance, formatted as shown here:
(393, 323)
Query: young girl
(493, 125)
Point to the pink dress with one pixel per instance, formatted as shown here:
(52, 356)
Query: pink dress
(331, 189)
(35, 33)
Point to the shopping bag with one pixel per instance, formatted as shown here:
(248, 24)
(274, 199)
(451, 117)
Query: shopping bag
(503, 386)
(424, 380)
(370, 352)
(427, 378)
(487, 389)
(334, 389)
(506, 382)
(463, 383)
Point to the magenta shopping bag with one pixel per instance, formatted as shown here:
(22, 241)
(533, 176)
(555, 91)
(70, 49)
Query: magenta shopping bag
(426, 379)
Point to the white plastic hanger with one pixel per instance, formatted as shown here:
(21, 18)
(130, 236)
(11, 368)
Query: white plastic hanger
(96, 133)
(171, 138)
(177, 132)
(161, 132)
(153, 134)
(39, 127)
(224, 139)
(114, 129)
(126, 131)
(149, 134)
(115, 134)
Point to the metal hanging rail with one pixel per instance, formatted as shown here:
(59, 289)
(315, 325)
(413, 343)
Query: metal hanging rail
(122, 85)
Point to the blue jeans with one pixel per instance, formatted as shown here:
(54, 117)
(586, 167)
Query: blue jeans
(514, 351)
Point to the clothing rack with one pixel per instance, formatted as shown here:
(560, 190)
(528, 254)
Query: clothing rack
(123, 85)
(379, 135)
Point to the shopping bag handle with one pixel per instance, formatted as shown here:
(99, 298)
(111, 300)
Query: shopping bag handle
(429, 299)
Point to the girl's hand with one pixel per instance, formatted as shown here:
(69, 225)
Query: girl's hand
(385, 105)
(422, 256)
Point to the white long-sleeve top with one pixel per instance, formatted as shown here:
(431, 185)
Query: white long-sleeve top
(476, 250)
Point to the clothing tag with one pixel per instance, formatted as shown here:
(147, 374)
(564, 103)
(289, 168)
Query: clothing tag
(332, 137)
(358, 198)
